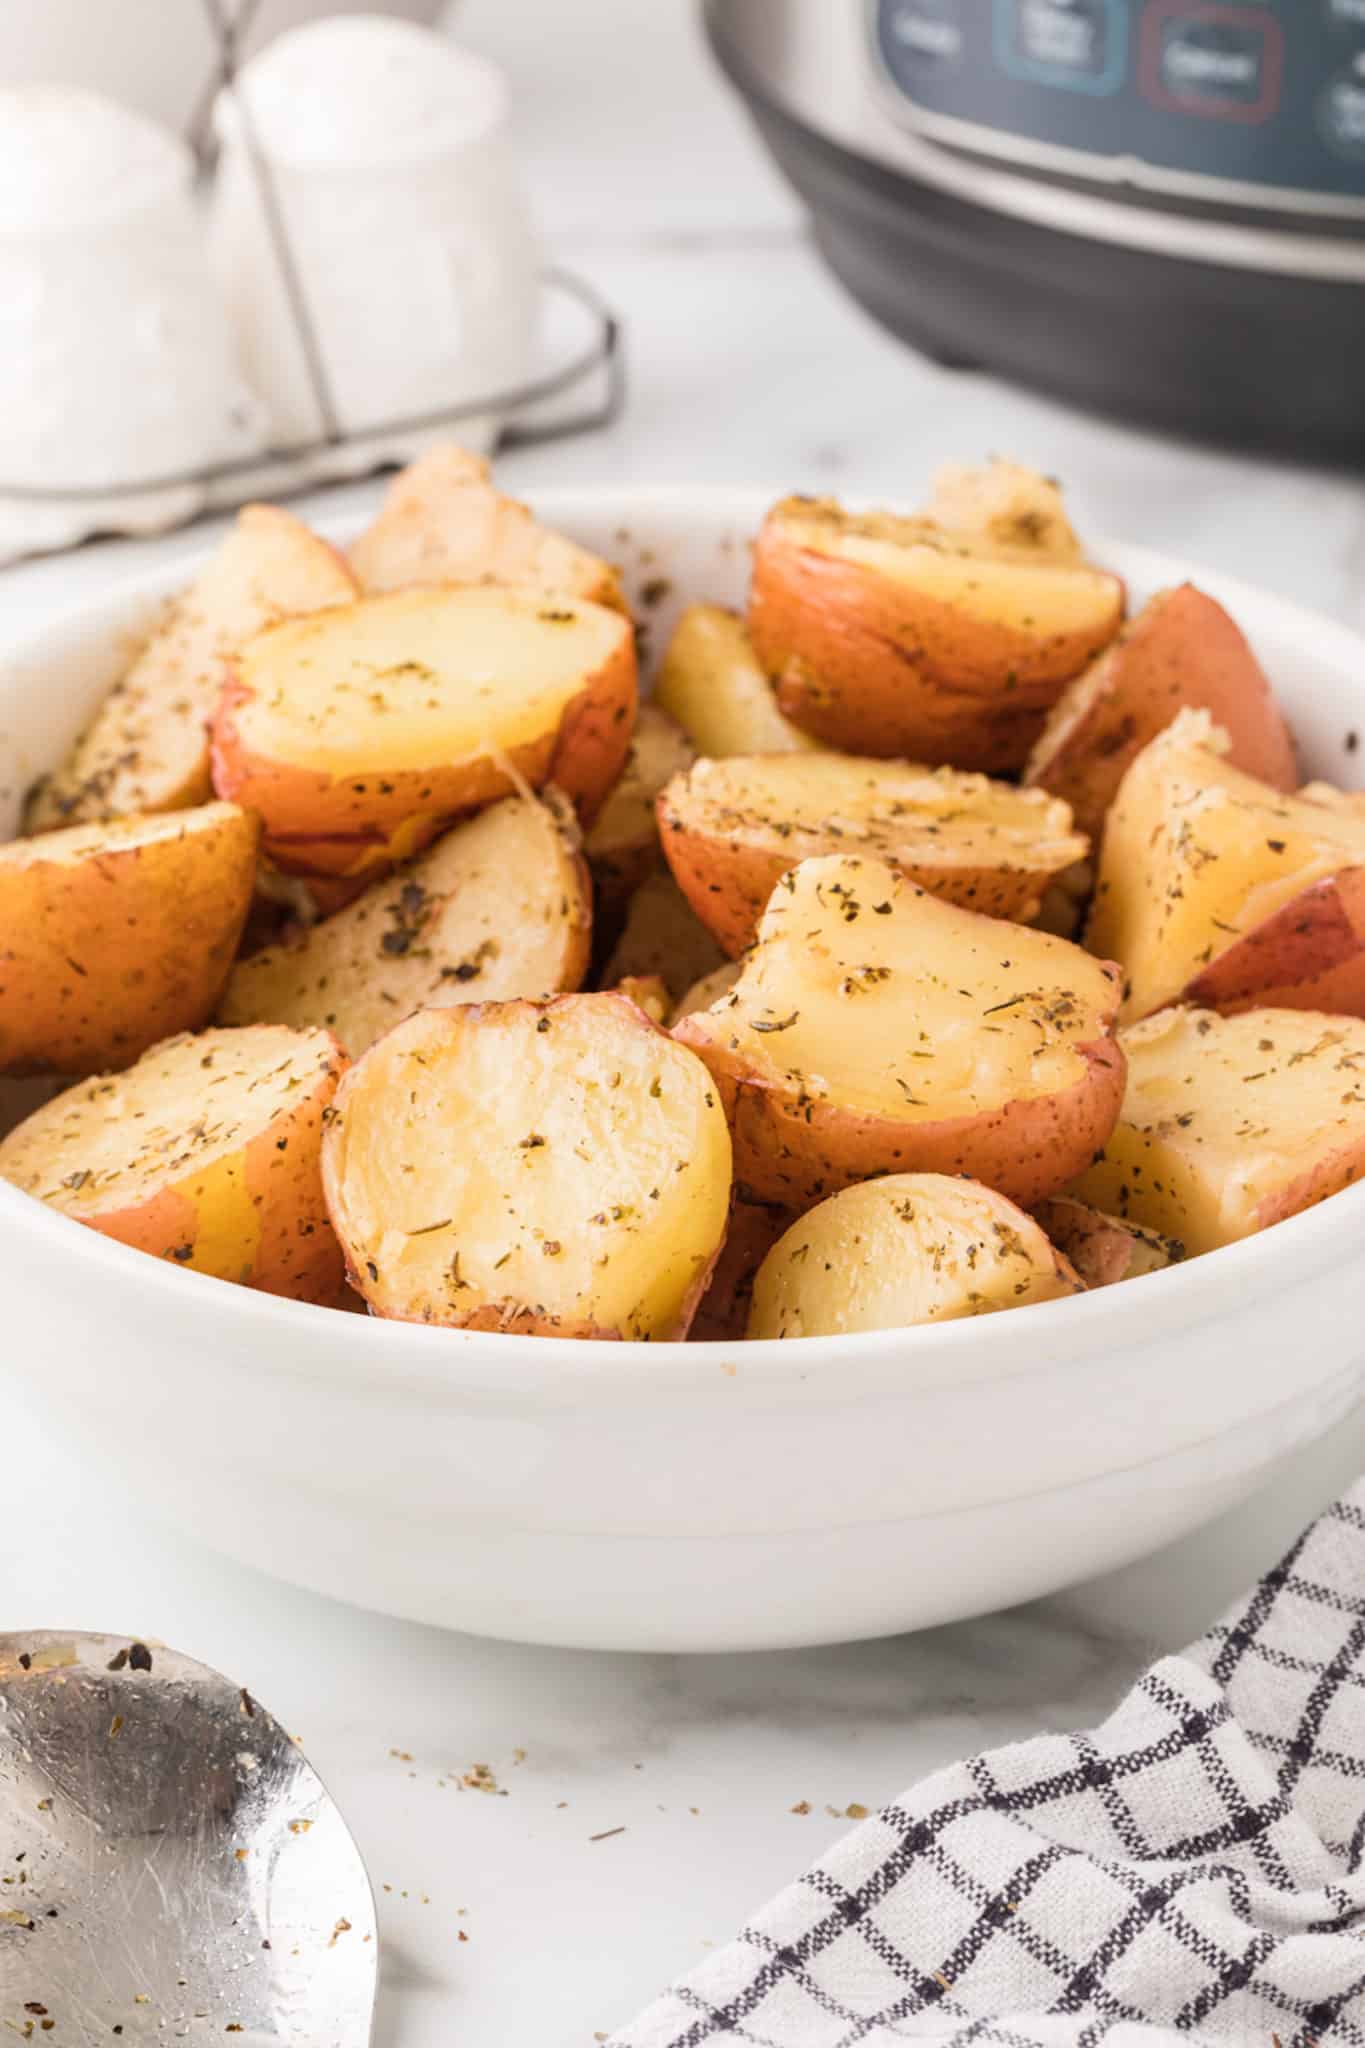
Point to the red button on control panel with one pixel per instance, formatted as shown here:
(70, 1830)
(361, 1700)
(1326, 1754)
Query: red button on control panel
(1223, 63)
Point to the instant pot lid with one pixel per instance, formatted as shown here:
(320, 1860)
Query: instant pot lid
(1179, 300)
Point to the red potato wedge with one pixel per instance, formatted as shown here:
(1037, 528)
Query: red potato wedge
(649, 992)
(731, 829)
(713, 684)
(1105, 1249)
(662, 936)
(1230, 1124)
(623, 845)
(208, 1151)
(1007, 505)
(499, 907)
(147, 748)
(442, 521)
(115, 936)
(1218, 890)
(1181, 652)
(909, 1248)
(876, 1030)
(723, 1313)
(358, 734)
(557, 1169)
(900, 637)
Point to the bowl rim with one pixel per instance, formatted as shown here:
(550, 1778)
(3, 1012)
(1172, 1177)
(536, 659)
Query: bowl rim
(508, 1370)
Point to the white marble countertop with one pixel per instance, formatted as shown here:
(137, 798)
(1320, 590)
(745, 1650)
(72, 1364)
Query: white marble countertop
(504, 1924)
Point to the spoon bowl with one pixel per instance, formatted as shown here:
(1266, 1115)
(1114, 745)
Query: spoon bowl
(171, 1866)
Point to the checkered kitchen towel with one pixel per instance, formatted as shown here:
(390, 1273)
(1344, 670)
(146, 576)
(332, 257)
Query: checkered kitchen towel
(1192, 1871)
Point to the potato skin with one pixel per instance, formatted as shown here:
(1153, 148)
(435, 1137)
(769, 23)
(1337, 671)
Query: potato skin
(357, 824)
(1310, 955)
(115, 937)
(255, 1216)
(873, 666)
(278, 1195)
(1181, 651)
(1104, 1249)
(712, 683)
(723, 1313)
(725, 838)
(795, 1154)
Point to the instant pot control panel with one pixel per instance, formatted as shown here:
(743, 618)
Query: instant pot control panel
(1260, 102)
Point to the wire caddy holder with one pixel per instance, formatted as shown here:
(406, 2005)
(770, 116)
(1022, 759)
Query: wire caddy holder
(282, 470)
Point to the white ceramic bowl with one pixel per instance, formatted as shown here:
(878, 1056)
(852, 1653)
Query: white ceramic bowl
(689, 1497)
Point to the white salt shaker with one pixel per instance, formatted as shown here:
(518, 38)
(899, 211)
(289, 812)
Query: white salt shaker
(115, 366)
(388, 162)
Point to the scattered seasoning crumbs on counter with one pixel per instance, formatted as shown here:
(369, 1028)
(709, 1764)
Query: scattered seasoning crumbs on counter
(606, 1834)
(801, 1806)
(479, 1778)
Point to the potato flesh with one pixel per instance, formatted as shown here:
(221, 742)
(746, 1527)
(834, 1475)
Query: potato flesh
(1022, 588)
(75, 844)
(443, 521)
(497, 909)
(420, 679)
(711, 682)
(648, 992)
(147, 747)
(909, 1248)
(918, 1011)
(564, 1165)
(1196, 855)
(1224, 1115)
(918, 817)
(625, 825)
(1005, 504)
(188, 1107)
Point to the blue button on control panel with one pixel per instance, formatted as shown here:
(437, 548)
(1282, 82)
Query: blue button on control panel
(1074, 45)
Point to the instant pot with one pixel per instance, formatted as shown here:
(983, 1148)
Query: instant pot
(1154, 207)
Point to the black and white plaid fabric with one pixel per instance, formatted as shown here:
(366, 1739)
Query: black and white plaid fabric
(1191, 1871)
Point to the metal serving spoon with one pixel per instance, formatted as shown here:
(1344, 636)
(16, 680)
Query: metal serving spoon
(171, 1868)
